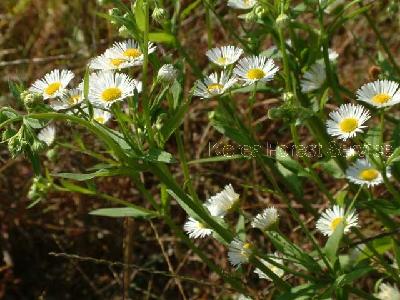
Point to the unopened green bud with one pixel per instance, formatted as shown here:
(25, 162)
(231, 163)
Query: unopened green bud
(287, 96)
(251, 17)
(167, 73)
(282, 20)
(259, 11)
(114, 12)
(123, 31)
(159, 14)
(15, 146)
(39, 188)
(31, 100)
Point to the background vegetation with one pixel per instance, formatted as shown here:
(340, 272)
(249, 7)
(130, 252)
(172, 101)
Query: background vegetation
(37, 36)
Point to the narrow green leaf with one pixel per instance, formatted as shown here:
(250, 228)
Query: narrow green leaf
(218, 159)
(76, 188)
(161, 37)
(174, 121)
(394, 157)
(155, 154)
(332, 245)
(122, 212)
(88, 176)
(139, 15)
(33, 123)
(289, 163)
(349, 278)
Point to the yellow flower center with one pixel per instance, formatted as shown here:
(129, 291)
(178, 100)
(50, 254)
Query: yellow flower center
(247, 3)
(73, 100)
(132, 53)
(246, 248)
(116, 62)
(111, 94)
(348, 124)
(368, 174)
(222, 60)
(255, 74)
(52, 88)
(214, 87)
(381, 98)
(100, 119)
(200, 225)
(335, 222)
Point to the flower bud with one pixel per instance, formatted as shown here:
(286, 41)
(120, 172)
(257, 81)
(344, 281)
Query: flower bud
(251, 17)
(288, 96)
(123, 31)
(114, 12)
(259, 11)
(167, 73)
(15, 145)
(282, 20)
(31, 100)
(159, 14)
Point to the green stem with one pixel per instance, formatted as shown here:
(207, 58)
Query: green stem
(331, 78)
(354, 200)
(145, 96)
(307, 162)
(285, 57)
(184, 165)
(208, 24)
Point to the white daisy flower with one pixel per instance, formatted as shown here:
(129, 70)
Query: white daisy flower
(242, 4)
(224, 56)
(47, 135)
(314, 78)
(196, 229)
(53, 84)
(167, 73)
(69, 99)
(213, 85)
(363, 172)
(380, 93)
(101, 116)
(219, 204)
(347, 121)
(350, 153)
(255, 68)
(332, 217)
(239, 252)
(106, 88)
(388, 292)
(278, 271)
(110, 60)
(266, 219)
(130, 50)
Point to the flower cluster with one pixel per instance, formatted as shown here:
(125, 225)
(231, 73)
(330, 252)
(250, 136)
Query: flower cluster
(249, 70)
